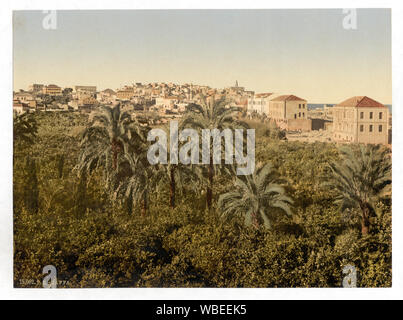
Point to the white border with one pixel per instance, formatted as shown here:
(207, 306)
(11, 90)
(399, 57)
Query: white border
(6, 239)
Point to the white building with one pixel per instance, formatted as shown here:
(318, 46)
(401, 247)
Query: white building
(166, 103)
(259, 103)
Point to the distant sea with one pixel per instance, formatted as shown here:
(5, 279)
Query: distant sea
(312, 106)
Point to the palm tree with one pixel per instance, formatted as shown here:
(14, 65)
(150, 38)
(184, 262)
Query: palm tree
(102, 141)
(361, 179)
(136, 186)
(258, 197)
(144, 177)
(179, 177)
(25, 128)
(211, 114)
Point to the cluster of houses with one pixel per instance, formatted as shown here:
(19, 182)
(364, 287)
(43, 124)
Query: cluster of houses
(357, 119)
(163, 98)
(51, 97)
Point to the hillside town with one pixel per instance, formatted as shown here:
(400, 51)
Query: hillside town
(358, 119)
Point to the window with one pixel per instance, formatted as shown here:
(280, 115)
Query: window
(361, 115)
(380, 128)
(303, 114)
(299, 106)
(299, 115)
(370, 115)
(370, 128)
(380, 115)
(361, 128)
(295, 116)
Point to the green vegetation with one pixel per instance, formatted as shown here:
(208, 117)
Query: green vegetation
(256, 197)
(361, 180)
(87, 202)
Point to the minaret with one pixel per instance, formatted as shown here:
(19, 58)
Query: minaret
(236, 83)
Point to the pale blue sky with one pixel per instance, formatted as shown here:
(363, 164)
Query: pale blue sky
(303, 52)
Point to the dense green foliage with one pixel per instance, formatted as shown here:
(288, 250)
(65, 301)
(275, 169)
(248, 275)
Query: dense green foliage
(258, 197)
(71, 220)
(361, 180)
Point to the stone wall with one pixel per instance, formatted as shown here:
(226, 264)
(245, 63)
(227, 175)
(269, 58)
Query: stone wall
(299, 124)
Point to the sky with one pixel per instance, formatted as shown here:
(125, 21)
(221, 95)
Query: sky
(303, 52)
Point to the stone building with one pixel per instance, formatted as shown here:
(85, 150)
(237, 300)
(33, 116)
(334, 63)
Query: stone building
(290, 113)
(360, 119)
(125, 93)
(52, 90)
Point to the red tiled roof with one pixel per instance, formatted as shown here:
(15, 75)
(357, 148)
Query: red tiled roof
(361, 101)
(289, 97)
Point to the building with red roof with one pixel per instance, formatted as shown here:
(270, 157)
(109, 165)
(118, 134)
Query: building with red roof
(360, 119)
(290, 113)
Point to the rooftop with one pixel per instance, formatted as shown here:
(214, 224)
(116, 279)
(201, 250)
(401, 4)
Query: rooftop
(361, 101)
(289, 97)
